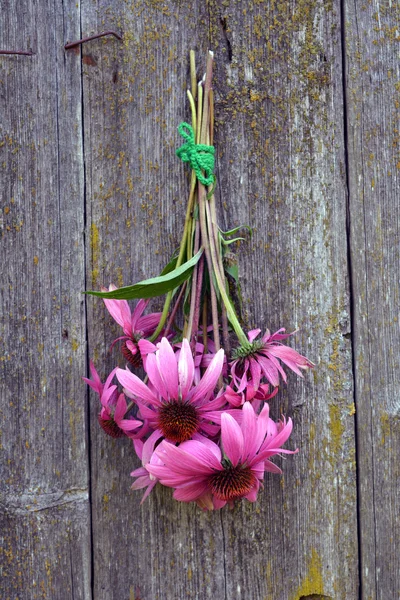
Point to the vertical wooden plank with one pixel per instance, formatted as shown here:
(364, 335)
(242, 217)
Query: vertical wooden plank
(373, 84)
(45, 521)
(281, 169)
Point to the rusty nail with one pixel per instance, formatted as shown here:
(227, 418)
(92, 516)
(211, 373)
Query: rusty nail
(92, 37)
(21, 52)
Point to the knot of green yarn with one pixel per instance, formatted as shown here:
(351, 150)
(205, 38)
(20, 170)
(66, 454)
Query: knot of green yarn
(199, 156)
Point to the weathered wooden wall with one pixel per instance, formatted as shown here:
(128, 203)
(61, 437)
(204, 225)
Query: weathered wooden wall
(307, 134)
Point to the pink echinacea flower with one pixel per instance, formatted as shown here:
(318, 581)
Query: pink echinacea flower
(114, 407)
(172, 403)
(201, 471)
(261, 360)
(134, 325)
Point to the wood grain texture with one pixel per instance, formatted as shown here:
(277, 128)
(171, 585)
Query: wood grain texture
(44, 529)
(373, 83)
(281, 169)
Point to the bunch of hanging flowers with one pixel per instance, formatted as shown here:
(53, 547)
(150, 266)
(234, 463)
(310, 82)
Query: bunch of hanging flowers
(199, 420)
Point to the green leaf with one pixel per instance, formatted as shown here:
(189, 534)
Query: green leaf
(228, 242)
(233, 271)
(157, 286)
(170, 266)
(236, 229)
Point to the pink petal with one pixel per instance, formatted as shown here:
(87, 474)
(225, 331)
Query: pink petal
(135, 386)
(183, 463)
(147, 492)
(252, 495)
(253, 334)
(255, 371)
(153, 371)
(249, 429)
(168, 367)
(185, 369)
(191, 491)
(218, 503)
(120, 409)
(270, 371)
(141, 482)
(138, 445)
(146, 347)
(210, 445)
(231, 438)
(148, 323)
(271, 468)
(120, 312)
(209, 379)
(129, 425)
(149, 445)
(137, 313)
(95, 382)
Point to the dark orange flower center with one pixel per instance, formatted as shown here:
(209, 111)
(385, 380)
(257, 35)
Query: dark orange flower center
(232, 482)
(134, 359)
(110, 427)
(178, 421)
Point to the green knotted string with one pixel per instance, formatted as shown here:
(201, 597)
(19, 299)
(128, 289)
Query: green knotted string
(199, 156)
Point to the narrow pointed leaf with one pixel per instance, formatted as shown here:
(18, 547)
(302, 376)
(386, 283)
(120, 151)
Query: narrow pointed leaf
(236, 229)
(157, 286)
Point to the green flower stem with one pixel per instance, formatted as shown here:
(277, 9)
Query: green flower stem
(221, 285)
(214, 231)
(193, 82)
(206, 243)
(163, 317)
(202, 198)
(193, 290)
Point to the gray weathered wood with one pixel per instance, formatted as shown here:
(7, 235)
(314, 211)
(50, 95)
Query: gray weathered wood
(372, 75)
(281, 169)
(44, 508)
(92, 193)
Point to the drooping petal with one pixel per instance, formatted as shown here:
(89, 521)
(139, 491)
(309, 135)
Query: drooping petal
(231, 438)
(192, 491)
(149, 445)
(120, 311)
(137, 313)
(95, 382)
(153, 371)
(184, 463)
(129, 425)
(270, 371)
(271, 468)
(255, 371)
(253, 334)
(185, 369)
(249, 428)
(168, 367)
(148, 323)
(209, 379)
(135, 385)
(120, 408)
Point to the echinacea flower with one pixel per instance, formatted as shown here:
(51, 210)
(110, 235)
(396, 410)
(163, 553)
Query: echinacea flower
(201, 471)
(112, 416)
(134, 325)
(145, 451)
(260, 359)
(173, 404)
(250, 394)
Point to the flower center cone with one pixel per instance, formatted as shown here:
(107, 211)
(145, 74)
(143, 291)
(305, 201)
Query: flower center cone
(232, 483)
(178, 421)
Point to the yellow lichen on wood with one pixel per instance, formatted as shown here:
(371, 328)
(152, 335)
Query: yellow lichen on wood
(313, 583)
(94, 244)
(336, 429)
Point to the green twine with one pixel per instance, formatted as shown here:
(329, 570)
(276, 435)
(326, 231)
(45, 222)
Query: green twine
(199, 156)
